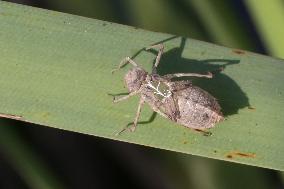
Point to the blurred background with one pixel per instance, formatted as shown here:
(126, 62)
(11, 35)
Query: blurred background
(42, 157)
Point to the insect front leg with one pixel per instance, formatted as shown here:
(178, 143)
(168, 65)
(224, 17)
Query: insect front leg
(170, 76)
(158, 58)
(141, 102)
(134, 125)
(115, 100)
(123, 62)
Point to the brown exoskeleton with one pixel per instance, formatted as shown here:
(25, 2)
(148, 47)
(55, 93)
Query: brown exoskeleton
(178, 101)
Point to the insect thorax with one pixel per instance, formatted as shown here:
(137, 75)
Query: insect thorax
(160, 89)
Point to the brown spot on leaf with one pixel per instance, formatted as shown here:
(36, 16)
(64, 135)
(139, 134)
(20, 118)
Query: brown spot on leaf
(238, 51)
(184, 142)
(232, 155)
(45, 114)
(229, 156)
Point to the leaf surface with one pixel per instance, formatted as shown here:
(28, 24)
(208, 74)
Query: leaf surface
(56, 71)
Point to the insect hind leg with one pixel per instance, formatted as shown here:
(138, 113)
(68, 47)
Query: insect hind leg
(170, 76)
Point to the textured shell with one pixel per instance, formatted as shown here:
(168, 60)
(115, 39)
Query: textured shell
(134, 78)
(197, 108)
(188, 105)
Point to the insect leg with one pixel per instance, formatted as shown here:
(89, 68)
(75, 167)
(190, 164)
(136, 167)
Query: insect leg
(161, 50)
(170, 76)
(141, 102)
(115, 100)
(204, 132)
(123, 62)
(156, 109)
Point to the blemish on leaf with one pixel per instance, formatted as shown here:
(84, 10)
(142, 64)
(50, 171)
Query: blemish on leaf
(104, 24)
(251, 108)
(232, 155)
(238, 51)
(45, 114)
(66, 22)
(11, 116)
(229, 156)
(184, 142)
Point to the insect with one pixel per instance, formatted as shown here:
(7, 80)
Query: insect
(179, 101)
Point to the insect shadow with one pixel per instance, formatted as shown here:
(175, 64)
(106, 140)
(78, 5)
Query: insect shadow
(228, 93)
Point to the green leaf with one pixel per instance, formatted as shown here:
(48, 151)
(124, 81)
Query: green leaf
(56, 71)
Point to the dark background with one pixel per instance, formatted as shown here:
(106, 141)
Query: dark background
(52, 158)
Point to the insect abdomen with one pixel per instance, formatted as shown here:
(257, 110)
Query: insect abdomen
(197, 108)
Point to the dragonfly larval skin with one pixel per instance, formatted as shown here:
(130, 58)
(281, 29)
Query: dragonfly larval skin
(157, 91)
(179, 101)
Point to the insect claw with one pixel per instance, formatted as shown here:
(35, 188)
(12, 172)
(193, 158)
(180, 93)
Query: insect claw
(113, 97)
(114, 70)
(118, 133)
(210, 75)
(132, 128)
(204, 132)
(207, 133)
